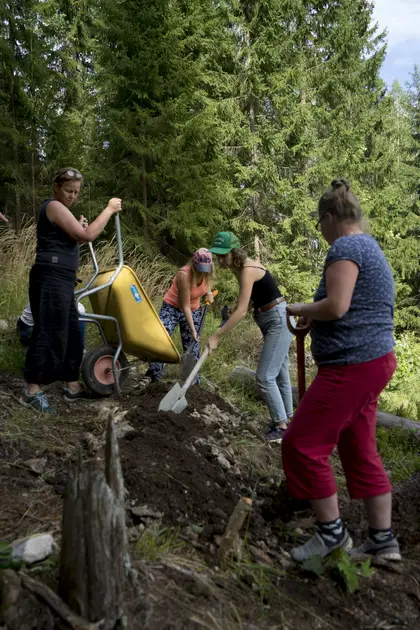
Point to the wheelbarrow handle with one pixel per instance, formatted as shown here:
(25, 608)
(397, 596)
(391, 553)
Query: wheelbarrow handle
(119, 240)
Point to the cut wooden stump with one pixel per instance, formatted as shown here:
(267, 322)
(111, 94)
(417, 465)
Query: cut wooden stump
(94, 546)
(246, 377)
(236, 520)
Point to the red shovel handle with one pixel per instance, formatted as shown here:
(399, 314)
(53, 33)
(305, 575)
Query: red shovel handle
(300, 333)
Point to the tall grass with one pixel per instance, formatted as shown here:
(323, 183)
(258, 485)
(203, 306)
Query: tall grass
(17, 253)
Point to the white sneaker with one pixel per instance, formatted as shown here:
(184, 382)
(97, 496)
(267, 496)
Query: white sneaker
(316, 546)
(386, 551)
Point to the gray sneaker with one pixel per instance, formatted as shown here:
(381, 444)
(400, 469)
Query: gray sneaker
(316, 546)
(82, 394)
(386, 551)
(37, 401)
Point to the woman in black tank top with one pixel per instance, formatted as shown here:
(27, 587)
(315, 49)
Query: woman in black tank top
(258, 286)
(56, 349)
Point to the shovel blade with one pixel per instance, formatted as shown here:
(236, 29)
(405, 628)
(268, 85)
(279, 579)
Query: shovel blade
(180, 405)
(174, 400)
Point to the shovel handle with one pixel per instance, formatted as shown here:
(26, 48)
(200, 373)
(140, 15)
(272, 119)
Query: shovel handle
(300, 333)
(214, 293)
(193, 373)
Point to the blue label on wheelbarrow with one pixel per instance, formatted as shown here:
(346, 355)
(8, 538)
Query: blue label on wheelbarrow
(135, 293)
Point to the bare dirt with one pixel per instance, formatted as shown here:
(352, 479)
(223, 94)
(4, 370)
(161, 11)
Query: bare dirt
(187, 472)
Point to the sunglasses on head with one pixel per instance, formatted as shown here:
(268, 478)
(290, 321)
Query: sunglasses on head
(68, 172)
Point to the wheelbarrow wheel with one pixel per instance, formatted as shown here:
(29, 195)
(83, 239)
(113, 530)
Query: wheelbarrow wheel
(97, 370)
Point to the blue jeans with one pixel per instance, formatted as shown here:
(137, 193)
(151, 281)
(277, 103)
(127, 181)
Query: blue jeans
(273, 378)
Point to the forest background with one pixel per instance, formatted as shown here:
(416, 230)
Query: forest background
(205, 116)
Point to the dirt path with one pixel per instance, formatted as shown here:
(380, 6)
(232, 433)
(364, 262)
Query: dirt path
(184, 475)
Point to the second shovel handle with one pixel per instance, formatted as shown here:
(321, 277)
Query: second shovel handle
(214, 293)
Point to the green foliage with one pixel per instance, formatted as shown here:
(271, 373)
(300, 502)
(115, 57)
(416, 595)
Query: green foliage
(204, 116)
(339, 566)
(6, 557)
(402, 396)
(156, 542)
(399, 450)
(314, 565)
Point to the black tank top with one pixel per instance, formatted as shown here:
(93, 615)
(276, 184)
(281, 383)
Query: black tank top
(54, 246)
(265, 290)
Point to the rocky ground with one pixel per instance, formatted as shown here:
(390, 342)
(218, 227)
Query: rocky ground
(184, 474)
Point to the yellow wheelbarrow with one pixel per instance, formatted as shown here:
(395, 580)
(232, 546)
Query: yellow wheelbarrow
(128, 324)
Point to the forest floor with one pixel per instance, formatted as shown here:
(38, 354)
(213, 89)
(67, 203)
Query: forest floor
(184, 475)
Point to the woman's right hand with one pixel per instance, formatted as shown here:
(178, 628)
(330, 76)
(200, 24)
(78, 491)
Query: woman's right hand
(303, 322)
(194, 335)
(114, 205)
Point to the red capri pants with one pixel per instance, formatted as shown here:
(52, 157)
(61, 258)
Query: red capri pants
(339, 409)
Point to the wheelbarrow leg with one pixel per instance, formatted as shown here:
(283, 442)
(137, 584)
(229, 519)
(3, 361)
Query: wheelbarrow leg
(117, 387)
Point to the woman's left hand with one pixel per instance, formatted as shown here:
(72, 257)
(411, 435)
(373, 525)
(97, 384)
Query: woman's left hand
(212, 343)
(83, 222)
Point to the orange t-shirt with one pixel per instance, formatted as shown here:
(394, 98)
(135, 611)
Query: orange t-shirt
(172, 297)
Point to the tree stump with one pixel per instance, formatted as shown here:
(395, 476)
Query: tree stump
(94, 544)
(246, 377)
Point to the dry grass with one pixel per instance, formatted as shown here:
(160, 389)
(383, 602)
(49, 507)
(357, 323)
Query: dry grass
(17, 253)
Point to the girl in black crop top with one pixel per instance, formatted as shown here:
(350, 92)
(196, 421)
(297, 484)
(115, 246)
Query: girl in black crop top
(56, 348)
(258, 286)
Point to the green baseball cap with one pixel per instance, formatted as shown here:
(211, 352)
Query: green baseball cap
(224, 242)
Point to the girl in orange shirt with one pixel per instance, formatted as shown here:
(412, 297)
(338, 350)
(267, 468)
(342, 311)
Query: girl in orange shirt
(181, 305)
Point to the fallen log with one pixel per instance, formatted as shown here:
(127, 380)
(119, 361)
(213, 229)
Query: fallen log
(246, 378)
(94, 545)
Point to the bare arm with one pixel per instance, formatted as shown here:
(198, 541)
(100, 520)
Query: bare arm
(3, 218)
(246, 283)
(341, 277)
(184, 293)
(61, 216)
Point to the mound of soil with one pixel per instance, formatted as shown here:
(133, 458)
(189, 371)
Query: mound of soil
(173, 465)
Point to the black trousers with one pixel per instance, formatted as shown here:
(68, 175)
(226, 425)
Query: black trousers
(56, 349)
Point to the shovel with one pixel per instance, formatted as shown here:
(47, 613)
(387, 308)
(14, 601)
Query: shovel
(188, 359)
(175, 400)
(300, 332)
